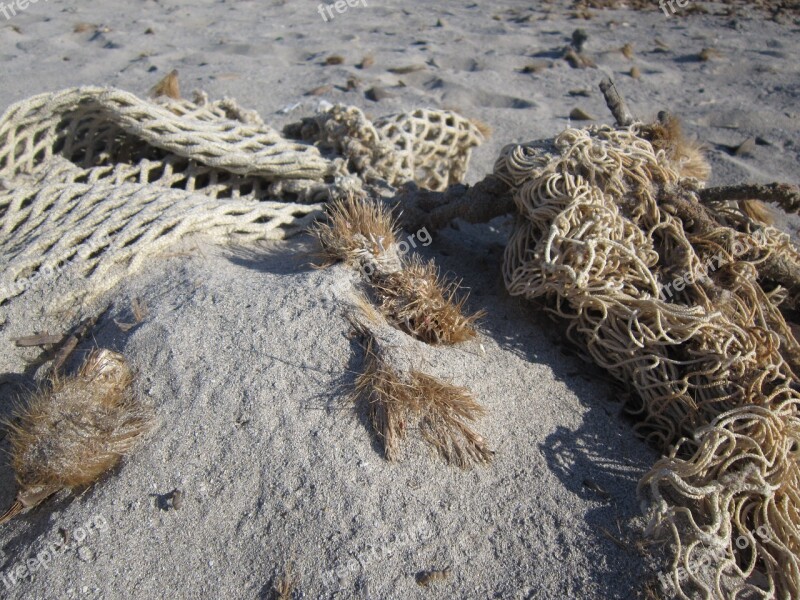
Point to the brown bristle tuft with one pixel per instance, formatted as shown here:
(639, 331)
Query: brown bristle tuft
(69, 435)
(355, 225)
(421, 303)
(687, 156)
(441, 410)
(168, 87)
(482, 127)
(757, 211)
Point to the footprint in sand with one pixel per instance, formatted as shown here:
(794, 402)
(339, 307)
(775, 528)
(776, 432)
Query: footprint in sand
(453, 94)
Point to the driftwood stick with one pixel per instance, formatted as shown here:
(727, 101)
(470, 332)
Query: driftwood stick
(480, 203)
(42, 339)
(616, 103)
(785, 195)
(71, 342)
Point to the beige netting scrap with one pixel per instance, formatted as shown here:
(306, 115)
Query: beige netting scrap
(91, 125)
(429, 147)
(94, 181)
(598, 239)
(63, 223)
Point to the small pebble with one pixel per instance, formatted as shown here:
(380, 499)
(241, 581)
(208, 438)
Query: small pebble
(320, 90)
(580, 115)
(406, 70)
(627, 51)
(177, 499)
(536, 67)
(377, 94)
(707, 54)
(746, 148)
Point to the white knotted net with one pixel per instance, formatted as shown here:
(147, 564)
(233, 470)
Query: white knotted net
(430, 147)
(94, 181)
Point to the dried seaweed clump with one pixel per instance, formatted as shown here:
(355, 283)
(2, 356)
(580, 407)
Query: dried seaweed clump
(69, 435)
(424, 305)
(680, 299)
(359, 232)
(443, 412)
(409, 292)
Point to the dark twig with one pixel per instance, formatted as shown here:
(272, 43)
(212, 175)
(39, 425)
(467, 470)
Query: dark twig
(12, 512)
(42, 339)
(616, 103)
(71, 342)
(785, 195)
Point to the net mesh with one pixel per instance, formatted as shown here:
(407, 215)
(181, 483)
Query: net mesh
(94, 181)
(429, 147)
(679, 315)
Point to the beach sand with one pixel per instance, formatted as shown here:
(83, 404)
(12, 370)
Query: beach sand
(246, 352)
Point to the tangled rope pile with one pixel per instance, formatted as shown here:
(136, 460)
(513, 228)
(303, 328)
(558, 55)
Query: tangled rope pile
(601, 232)
(94, 181)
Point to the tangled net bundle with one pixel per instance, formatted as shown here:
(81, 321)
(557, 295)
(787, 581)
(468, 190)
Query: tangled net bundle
(598, 240)
(94, 181)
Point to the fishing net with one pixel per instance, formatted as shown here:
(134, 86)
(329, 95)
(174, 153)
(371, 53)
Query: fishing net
(94, 181)
(675, 308)
(430, 147)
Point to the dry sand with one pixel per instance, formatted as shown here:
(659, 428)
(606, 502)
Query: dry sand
(245, 352)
